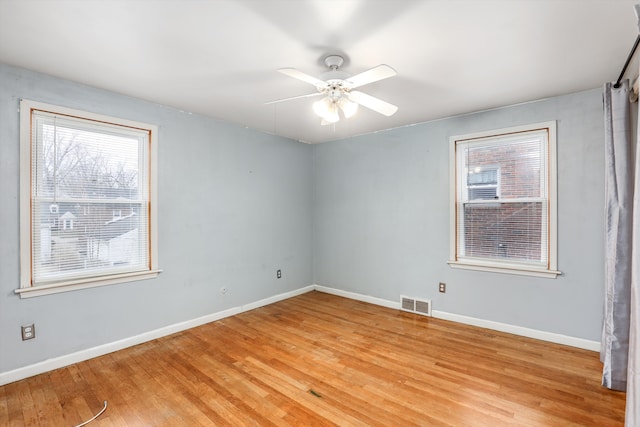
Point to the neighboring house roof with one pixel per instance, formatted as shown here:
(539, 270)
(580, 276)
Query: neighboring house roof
(117, 227)
(68, 215)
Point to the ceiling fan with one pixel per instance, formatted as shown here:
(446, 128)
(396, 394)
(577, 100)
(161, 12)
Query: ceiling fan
(337, 88)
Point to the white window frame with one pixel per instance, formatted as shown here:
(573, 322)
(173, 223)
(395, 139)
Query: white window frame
(27, 289)
(506, 266)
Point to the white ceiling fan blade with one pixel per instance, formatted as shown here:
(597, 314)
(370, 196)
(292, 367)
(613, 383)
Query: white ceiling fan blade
(292, 72)
(380, 72)
(372, 103)
(293, 97)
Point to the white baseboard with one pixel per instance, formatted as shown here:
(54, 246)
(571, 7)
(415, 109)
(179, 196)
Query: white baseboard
(79, 356)
(519, 330)
(489, 324)
(358, 297)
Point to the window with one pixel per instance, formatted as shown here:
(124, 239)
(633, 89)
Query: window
(77, 171)
(503, 201)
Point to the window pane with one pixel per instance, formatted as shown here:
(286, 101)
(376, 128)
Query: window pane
(84, 163)
(89, 213)
(87, 238)
(511, 231)
(519, 166)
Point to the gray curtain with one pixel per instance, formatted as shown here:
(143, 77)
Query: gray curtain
(632, 417)
(621, 329)
(619, 175)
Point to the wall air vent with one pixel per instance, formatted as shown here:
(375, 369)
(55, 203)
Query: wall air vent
(408, 304)
(415, 305)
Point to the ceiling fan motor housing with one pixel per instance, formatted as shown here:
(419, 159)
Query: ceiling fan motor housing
(334, 61)
(334, 76)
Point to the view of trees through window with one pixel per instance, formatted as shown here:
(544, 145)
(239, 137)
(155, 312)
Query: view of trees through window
(88, 208)
(83, 163)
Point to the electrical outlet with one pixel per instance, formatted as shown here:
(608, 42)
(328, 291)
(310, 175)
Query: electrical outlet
(279, 274)
(442, 287)
(223, 290)
(28, 332)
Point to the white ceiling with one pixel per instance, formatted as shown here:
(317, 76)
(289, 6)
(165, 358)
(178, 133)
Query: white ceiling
(219, 57)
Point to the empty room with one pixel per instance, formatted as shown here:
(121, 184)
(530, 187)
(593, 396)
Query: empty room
(319, 212)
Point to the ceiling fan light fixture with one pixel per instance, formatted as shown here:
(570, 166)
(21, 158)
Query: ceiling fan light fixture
(321, 108)
(332, 115)
(349, 108)
(327, 110)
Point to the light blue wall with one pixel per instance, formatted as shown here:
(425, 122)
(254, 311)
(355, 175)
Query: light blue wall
(381, 204)
(368, 215)
(234, 206)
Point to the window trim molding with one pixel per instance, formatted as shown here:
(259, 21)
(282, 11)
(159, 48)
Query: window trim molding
(552, 184)
(26, 289)
(72, 285)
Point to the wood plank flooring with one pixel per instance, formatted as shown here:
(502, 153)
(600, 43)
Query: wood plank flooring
(317, 360)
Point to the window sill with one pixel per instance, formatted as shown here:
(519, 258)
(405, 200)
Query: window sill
(55, 288)
(505, 269)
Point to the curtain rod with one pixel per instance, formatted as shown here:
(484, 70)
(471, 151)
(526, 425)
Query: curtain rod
(626, 64)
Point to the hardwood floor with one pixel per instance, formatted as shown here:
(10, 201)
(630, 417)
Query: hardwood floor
(317, 360)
